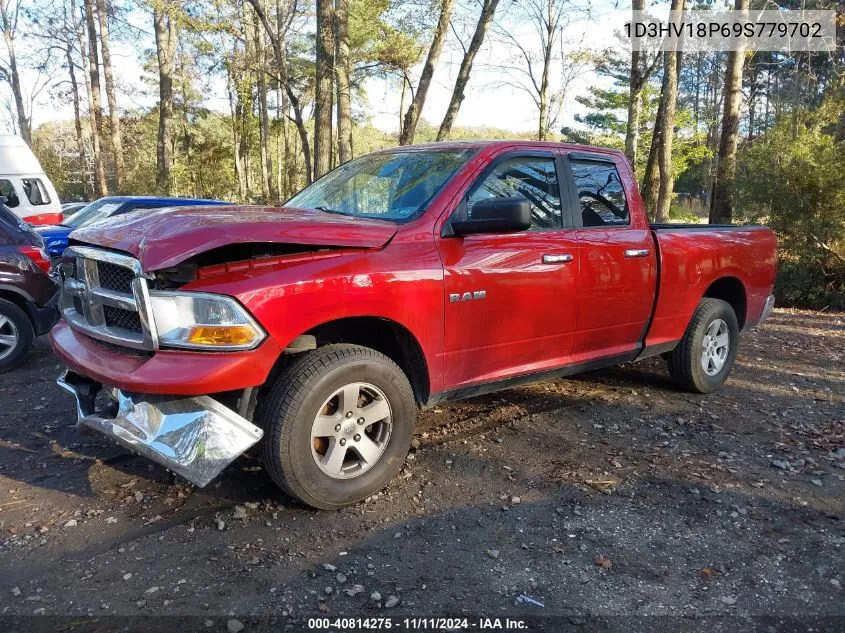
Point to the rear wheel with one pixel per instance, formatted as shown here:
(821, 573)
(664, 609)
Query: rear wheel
(338, 424)
(16, 335)
(703, 359)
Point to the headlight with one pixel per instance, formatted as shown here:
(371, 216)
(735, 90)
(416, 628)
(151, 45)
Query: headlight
(203, 321)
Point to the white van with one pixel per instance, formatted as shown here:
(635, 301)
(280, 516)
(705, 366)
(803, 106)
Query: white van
(24, 185)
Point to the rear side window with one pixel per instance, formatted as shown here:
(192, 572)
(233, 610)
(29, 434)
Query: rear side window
(600, 193)
(8, 192)
(530, 177)
(35, 191)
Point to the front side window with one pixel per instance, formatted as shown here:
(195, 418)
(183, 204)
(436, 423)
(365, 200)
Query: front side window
(94, 212)
(601, 194)
(35, 191)
(531, 177)
(386, 186)
(8, 192)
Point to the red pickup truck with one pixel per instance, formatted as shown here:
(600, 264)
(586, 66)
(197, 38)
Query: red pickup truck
(400, 279)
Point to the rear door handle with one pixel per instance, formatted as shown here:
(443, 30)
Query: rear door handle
(563, 258)
(637, 252)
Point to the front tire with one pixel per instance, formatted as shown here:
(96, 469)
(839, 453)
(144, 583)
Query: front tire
(338, 424)
(703, 359)
(16, 335)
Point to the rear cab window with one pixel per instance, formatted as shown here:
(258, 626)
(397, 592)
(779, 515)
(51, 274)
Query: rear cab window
(601, 195)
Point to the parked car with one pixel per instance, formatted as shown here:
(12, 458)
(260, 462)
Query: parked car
(402, 278)
(56, 237)
(69, 208)
(26, 189)
(28, 295)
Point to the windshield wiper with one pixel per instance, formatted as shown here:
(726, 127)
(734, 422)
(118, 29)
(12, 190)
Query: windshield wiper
(335, 211)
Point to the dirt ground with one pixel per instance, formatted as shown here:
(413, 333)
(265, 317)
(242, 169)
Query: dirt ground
(608, 494)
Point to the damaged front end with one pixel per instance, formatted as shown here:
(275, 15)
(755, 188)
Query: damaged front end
(195, 437)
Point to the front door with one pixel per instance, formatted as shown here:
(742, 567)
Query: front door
(511, 299)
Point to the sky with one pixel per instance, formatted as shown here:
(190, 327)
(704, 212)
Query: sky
(489, 100)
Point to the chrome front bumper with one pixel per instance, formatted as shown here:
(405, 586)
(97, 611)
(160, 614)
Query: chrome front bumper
(194, 437)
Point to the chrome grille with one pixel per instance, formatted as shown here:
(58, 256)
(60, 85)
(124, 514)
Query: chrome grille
(125, 319)
(114, 277)
(105, 295)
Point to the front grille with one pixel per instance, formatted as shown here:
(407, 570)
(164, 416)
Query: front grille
(114, 277)
(125, 319)
(99, 297)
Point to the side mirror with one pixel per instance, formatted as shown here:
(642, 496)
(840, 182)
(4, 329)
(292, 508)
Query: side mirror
(496, 215)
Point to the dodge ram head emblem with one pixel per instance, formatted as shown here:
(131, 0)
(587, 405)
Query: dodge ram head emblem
(457, 297)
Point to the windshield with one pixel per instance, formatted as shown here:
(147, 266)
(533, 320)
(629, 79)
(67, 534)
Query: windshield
(386, 186)
(94, 212)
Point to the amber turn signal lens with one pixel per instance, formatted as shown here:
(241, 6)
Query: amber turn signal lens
(221, 335)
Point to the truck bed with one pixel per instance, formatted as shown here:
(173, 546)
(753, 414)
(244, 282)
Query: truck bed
(694, 257)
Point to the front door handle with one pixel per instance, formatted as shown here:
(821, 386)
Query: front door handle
(563, 258)
(637, 252)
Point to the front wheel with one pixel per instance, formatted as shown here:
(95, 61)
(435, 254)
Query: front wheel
(705, 356)
(338, 424)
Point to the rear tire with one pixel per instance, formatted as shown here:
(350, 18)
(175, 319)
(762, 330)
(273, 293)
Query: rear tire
(703, 359)
(16, 335)
(338, 424)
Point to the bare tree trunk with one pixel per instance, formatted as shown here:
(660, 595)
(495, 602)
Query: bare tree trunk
(282, 155)
(77, 117)
(722, 210)
(651, 177)
(671, 71)
(114, 114)
(68, 33)
(245, 109)
(342, 69)
(9, 27)
(79, 27)
(277, 39)
(166, 35)
(543, 95)
(632, 130)
(488, 10)
(96, 108)
(402, 100)
(268, 186)
(412, 116)
(323, 88)
(234, 108)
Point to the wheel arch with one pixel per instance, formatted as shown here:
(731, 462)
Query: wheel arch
(731, 290)
(19, 298)
(384, 335)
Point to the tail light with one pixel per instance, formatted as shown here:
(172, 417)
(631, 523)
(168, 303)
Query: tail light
(37, 255)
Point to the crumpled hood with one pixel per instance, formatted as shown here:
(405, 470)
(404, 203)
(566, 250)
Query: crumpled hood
(166, 237)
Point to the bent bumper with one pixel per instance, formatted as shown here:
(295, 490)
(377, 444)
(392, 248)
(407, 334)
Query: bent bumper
(172, 372)
(195, 437)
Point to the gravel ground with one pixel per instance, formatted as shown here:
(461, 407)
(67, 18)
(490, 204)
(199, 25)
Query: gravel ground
(608, 494)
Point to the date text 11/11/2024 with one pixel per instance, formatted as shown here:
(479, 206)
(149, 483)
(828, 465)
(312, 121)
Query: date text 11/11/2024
(417, 624)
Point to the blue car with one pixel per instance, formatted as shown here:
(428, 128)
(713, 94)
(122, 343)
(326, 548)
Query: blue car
(56, 237)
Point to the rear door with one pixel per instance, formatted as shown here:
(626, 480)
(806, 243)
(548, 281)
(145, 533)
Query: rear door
(511, 299)
(618, 261)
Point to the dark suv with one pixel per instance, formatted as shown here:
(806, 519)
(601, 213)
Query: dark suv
(28, 294)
